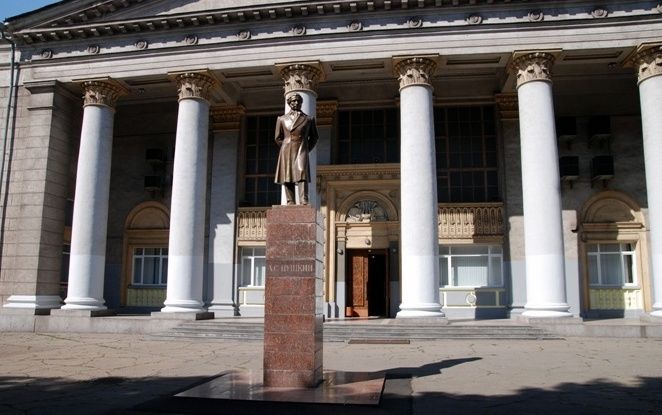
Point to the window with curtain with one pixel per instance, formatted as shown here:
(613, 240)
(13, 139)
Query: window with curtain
(150, 266)
(471, 266)
(261, 157)
(253, 266)
(611, 264)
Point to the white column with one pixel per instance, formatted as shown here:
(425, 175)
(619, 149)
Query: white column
(418, 175)
(90, 221)
(188, 205)
(303, 79)
(541, 189)
(649, 68)
(222, 207)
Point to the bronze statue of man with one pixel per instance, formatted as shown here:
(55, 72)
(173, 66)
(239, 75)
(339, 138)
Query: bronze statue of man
(296, 134)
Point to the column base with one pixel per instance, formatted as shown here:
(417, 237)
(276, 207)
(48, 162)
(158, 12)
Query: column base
(224, 310)
(40, 304)
(547, 311)
(420, 310)
(183, 306)
(83, 303)
(62, 312)
(182, 315)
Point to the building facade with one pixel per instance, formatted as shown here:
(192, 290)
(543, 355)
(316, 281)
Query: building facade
(478, 159)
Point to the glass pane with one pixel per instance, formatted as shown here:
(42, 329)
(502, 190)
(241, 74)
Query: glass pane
(138, 251)
(469, 271)
(137, 270)
(164, 271)
(259, 251)
(260, 269)
(245, 272)
(592, 248)
(610, 268)
(496, 249)
(593, 275)
(443, 271)
(610, 248)
(629, 270)
(150, 251)
(151, 270)
(469, 250)
(496, 279)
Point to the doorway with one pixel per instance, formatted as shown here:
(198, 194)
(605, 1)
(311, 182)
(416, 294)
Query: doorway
(367, 286)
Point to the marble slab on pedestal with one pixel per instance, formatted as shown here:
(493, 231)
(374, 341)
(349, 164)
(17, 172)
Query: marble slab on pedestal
(293, 321)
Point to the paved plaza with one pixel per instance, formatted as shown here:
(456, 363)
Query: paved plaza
(111, 374)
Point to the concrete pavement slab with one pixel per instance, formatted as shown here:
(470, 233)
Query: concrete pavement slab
(110, 374)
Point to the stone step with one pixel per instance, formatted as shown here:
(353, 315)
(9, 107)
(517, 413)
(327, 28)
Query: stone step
(339, 332)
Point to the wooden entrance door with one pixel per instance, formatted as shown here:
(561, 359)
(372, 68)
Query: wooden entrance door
(367, 293)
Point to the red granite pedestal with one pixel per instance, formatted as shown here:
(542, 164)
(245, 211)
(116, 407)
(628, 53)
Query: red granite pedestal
(293, 318)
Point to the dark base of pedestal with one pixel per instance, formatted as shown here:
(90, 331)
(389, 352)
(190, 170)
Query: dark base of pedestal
(336, 388)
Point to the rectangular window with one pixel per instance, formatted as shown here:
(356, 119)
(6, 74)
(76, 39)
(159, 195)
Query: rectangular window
(467, 159)
(253, 266)
(150, 266)
(471, 266)
(368, 136)
(261, 157)
(611, 265)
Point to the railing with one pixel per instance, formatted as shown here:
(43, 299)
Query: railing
(462, 220)
(456, 221)
(252, 224)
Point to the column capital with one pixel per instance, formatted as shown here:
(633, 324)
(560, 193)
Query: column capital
(647, 61)
(194, 84)
(507, 105)
(416, 70)
(226, 117)
(303, 76)
(533, 66)
(325, 112)
(102, 91)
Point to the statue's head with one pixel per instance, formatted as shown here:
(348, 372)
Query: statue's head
(295, 101)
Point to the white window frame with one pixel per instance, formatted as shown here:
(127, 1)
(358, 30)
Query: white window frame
(249, 253)
(163, 269)
(490, 255)
(632, 252)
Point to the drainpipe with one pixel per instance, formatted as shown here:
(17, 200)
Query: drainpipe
(11, 107)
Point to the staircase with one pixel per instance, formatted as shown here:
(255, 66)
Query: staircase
(378, 330)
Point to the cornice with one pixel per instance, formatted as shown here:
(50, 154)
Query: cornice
(83, 24)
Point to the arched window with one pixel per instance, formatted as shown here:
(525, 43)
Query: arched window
(146, 255)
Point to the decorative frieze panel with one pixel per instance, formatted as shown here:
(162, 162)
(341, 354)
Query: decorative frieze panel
(616, 298)
(227, 118)
(468, 221)
(252, 224)
(326, 110)
(507, 105)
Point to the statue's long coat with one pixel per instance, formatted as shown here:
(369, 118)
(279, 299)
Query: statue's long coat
(296, 136)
